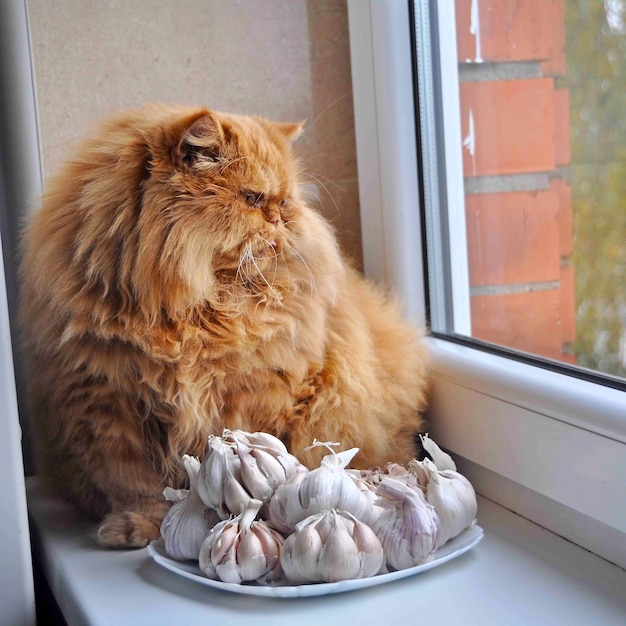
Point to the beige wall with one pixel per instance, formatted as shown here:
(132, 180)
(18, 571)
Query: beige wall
(284, 59)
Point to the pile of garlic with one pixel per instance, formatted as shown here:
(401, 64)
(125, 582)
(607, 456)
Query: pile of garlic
(322, 525)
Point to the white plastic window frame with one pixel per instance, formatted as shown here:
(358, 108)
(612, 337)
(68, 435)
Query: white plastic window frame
(544, 444)
(20, 185)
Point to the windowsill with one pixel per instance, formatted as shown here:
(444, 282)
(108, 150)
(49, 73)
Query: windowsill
(519, 573)
(540, 443)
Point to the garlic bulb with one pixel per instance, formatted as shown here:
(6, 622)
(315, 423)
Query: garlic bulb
(239, 466)
(454, 499)
(441, 459)
(241, 549)
(408, 526)
(188, 521)
(331, 546)
(327, 487)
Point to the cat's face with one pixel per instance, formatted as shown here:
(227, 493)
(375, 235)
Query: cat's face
(221, 203)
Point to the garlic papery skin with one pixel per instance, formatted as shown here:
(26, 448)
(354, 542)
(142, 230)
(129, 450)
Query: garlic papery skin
(331, 546)
(441, 459)
(188, 521)
(322, 489)
(241, 549)
(420, 473)
(408, 526)
(374, 475)
(454, 499)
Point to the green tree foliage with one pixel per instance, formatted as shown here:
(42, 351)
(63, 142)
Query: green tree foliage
(596, 79)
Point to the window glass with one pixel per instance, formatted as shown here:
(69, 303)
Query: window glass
(542, 99)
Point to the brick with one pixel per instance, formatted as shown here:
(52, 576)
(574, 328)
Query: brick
(512, 238)
(523, 321)
(565, 216)
(562, 154)
(567, 320)
(556, 66)
(513, 126)
(510, 30)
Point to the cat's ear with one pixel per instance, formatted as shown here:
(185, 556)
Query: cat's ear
(201, 140)
(290, 130)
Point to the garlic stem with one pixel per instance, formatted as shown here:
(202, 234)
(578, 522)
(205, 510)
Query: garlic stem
(441, 459)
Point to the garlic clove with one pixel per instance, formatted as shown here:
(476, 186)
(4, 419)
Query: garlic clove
(454, 499)
(219, 464)
(234, 495)
(371, 553)
(271, 545)
(188, 521)
(339, 558)
(258, 439)
(254, 480)
(300, 554)
(217, 547)
(250, 556)
(408, 527)
(284, 510)
(228, 570)
(271, 468)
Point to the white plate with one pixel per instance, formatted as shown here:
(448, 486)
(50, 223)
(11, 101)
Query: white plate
(188, 569)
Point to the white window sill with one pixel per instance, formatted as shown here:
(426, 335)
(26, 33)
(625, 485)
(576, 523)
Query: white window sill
(527, 435)
(519, 574)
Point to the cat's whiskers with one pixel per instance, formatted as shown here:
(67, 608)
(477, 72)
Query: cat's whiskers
(312, 285)
(326, 109)
(243, 268)
(330, 195)
(274, 256)
(316, 176)
(249, 271)
(262, 275)
(290, 223)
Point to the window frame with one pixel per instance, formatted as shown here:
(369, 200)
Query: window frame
(20, 183)
(545, 444)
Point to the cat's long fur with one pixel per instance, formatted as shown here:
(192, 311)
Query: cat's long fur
(168, 294)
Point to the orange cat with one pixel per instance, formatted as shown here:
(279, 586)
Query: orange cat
(176, 283)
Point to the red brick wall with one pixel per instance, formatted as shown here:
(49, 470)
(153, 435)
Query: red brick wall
(518, 205)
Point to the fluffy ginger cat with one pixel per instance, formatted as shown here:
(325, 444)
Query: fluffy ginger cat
(175, 283)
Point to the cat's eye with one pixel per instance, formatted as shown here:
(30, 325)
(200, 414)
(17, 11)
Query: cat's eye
(255, 200)
(282, 203)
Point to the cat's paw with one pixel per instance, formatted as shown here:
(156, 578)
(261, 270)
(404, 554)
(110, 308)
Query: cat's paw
(127, 530)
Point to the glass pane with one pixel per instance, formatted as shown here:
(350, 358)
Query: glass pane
(542, 90)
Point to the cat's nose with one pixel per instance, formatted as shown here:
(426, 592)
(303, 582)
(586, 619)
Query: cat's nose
(272, 215)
